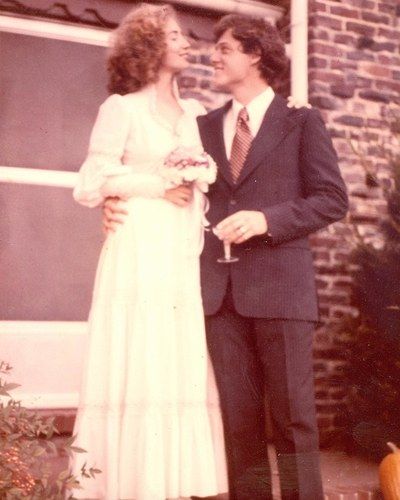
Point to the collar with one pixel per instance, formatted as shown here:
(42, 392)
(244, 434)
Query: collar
(151, 89)
(256, 108)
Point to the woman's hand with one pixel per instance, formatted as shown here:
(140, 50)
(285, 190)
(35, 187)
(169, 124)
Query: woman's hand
(181, 195)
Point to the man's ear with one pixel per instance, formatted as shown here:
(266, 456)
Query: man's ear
(255, 58)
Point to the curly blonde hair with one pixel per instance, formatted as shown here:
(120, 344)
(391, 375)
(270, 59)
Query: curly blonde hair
(138, 47)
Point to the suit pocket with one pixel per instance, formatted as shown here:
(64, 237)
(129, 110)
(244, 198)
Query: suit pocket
(301, 243)
(261, 242)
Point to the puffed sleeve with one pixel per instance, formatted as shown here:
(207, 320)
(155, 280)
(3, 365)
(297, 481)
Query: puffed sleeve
(103, 174)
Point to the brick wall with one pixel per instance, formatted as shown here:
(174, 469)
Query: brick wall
(354, 74)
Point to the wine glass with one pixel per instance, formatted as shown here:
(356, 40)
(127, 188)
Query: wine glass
(228, 258)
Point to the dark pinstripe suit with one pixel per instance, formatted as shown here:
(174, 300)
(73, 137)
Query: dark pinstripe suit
(260, 310)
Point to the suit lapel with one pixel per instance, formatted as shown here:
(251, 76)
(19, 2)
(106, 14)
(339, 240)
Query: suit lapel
(275, 126)
(212, 134)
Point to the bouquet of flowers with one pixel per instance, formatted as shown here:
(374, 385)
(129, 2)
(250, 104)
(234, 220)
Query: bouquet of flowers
(189, 165)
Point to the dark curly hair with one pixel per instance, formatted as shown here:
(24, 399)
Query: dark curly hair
(137, 49)
(257, 36)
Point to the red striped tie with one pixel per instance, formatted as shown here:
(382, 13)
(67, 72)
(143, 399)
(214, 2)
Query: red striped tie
(241, 144)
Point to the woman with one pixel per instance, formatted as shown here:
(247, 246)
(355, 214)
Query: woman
(145, 417)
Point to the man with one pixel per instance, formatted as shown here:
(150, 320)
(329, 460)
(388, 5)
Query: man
(278, 181)
(281, 184)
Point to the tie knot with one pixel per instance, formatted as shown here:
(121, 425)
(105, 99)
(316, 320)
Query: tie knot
(243, 116)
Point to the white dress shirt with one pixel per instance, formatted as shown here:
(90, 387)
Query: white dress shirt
(256, 110)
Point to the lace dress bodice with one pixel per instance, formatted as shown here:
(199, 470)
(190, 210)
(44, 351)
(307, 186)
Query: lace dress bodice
(128, 145)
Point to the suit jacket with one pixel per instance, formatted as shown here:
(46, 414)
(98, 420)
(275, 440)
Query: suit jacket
(291, 175)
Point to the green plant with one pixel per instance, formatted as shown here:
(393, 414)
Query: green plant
(26, 447)
(374, 361)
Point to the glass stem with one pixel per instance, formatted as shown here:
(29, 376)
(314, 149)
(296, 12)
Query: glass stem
(227, 250)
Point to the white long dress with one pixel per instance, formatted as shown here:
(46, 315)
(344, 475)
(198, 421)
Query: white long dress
(148, 416)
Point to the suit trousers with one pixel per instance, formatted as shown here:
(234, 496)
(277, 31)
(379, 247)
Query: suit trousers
(256, 358)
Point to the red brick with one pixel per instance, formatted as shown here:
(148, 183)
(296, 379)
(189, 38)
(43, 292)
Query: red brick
(360, 55)
(389, 34)
(193, 58)
(353, 177)
(205, 59)
(374, 95)
(361, 218)
(338, 394)
(344, 38)
(187, 82)
(360, 81)
(370, 136)
(205, 84)
(318, 34)
(325, 76)
(336, 133)
(343, 65)
(323, 241)
(344, 91)
(322, 394)
(343, 287)
(317, 62)
(317, 7)
(320, 255)
(323, 312)
(364, 4)
(330, 298)
(345, 12)
(388, 60)
(317, 87)
(328, 268)
(343, 147)
(321, 284)
(342, 229)
(324, 421)
(325, 49)
(330, 409)
(325, 115)
(365, 42)
(319, 20)
(321, 336)
(371, 17)
(384, 46)
(388, 84)
(387, 8)
(377, 70)
(360, 28)
(338, 313)
(354, 121)
(323, 102)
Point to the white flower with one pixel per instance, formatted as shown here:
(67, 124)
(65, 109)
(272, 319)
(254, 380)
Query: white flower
(189, 165)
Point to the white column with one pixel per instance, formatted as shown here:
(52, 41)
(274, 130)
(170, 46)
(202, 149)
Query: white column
(299, 51)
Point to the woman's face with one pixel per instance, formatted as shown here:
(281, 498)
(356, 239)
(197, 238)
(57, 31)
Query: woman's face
(177, 51)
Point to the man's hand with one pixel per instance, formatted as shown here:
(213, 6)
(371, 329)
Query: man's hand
(181, 195)
(114, 213)
(241, 226)
(114, 210)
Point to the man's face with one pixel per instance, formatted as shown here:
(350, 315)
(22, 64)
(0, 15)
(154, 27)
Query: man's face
(231, 65)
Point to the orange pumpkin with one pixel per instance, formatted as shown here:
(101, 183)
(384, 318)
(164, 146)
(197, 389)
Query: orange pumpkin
(389, 474)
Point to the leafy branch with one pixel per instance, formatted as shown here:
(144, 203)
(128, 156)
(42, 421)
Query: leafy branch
(26, 448)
